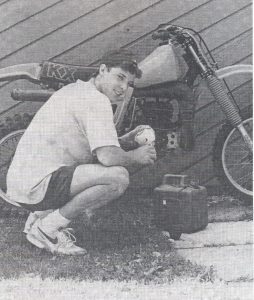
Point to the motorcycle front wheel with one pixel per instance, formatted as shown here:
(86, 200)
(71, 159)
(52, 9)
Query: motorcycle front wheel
(233, 162)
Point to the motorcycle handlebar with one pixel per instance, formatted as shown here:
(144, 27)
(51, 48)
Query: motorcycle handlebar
(165, 31)
(160, 35)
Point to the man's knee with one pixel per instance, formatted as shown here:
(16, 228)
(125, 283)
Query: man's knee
(120, 180)
(86, 176)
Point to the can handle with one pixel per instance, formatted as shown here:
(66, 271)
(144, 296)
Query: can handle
(173, 179)
(194, 184)
(180, 181)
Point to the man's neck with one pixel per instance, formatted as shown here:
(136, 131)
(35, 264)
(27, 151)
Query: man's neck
(94, 82)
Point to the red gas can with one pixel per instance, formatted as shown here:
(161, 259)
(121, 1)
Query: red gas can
(180, 206)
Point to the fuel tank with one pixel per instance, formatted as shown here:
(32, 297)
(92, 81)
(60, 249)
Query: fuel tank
(161, 65)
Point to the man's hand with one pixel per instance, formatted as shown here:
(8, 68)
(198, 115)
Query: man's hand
(128, 140)
(145, 155)
(115, 156)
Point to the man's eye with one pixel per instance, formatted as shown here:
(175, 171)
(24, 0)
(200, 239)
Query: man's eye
(120, 77)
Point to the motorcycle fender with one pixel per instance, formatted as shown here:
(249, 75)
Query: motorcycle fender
(234, 70)
(29, 71)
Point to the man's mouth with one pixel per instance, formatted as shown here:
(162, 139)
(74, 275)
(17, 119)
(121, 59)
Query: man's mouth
(119, 94)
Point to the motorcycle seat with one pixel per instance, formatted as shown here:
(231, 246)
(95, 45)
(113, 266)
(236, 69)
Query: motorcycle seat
(54, 72)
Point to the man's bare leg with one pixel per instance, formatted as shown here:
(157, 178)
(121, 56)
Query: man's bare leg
(92, 186)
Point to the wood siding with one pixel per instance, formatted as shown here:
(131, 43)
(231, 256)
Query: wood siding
(81, 31)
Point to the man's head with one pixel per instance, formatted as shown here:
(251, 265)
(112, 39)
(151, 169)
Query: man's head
(117, 72)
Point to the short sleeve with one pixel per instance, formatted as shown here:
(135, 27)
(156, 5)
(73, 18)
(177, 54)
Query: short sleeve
(96, 122)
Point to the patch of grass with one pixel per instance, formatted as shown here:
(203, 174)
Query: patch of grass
(225, 208)
(122, 245)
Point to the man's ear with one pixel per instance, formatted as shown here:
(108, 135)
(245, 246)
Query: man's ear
(102, 69)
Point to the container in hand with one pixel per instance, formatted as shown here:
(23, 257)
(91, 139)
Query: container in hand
(145, 136)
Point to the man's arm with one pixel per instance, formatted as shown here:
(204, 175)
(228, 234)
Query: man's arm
(115, 156)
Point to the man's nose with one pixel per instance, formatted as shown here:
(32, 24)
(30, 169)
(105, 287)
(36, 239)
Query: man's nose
(124, 86)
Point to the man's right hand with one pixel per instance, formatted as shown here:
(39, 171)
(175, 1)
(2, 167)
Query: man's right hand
(115, 156)
(145, 155)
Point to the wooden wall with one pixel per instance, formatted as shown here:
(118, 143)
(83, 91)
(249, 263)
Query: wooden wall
(79, 32)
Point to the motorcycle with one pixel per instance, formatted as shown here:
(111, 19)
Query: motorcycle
(163, 98)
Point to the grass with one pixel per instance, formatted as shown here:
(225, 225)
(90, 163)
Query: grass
(226, 208)
(128, 258)
(122, 245)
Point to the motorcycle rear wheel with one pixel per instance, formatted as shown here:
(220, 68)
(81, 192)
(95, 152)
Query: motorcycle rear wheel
(11, 132)
(233, 164)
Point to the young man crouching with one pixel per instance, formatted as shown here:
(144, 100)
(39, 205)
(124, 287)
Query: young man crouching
(53, 173)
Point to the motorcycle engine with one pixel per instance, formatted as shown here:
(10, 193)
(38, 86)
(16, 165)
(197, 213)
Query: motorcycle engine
(161, 114)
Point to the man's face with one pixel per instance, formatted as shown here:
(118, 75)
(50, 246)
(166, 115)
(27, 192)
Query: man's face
(114, 83)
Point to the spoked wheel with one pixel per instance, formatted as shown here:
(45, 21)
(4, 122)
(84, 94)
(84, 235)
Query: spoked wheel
(233, 160)
(10, 133)
(8, 145)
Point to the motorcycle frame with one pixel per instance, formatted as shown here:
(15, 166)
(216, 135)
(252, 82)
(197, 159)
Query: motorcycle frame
(31, 72)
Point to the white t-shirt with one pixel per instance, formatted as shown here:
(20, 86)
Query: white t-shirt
(75, 121)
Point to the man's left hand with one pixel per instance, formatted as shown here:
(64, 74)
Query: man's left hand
(128, 139)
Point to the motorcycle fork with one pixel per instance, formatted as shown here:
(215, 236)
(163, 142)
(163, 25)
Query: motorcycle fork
(221, 97)
(247, 139)
(228, 108)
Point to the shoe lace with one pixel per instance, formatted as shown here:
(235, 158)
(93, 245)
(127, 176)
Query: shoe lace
(66, 237)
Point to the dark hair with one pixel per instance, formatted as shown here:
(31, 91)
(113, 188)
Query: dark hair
(121, 58)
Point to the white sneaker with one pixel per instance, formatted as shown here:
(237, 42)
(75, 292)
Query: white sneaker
(34, 216)
(63, 243)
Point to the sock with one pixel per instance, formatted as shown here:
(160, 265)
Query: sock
(52, 222)
(33, 217)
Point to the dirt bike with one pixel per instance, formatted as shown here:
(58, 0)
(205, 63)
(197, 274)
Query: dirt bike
(163, 98)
